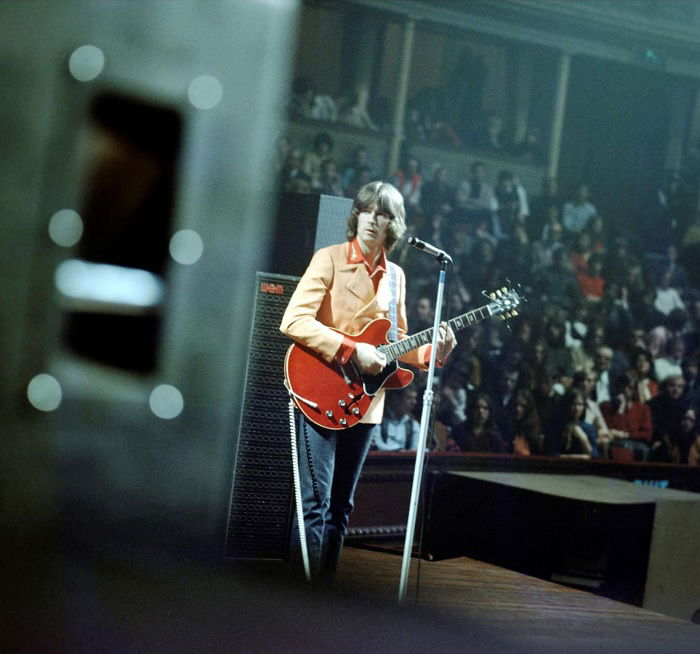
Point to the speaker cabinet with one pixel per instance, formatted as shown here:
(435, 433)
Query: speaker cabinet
(259, 520)
(305, 223)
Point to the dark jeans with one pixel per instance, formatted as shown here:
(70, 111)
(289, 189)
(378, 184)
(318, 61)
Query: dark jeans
(330, 462)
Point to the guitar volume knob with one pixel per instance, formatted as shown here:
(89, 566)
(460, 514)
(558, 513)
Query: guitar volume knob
(341, 403)
(343, 422)
(329, 413)
(356, 411)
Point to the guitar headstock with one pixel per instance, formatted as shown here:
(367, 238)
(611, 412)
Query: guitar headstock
(504, 302)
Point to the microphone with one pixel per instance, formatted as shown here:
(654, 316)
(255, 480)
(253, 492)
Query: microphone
(440, 255)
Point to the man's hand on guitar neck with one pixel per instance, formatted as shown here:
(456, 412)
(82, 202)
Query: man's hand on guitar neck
(368, 358)
(446, 342)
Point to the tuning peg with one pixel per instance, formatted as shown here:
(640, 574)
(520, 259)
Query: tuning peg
(503, 317)
(499, 293)
(504, 290)
(492, 296)
(514, 313)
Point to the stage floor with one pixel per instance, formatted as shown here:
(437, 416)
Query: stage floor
(529, 613)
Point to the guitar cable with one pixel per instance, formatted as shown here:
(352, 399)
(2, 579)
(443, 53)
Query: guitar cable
(297, 488)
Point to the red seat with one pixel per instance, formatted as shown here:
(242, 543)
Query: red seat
(622, 454)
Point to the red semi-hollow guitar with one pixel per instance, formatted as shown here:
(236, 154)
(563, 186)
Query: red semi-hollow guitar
(337, 396)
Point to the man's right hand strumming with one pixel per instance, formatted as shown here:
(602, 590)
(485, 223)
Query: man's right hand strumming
(368, 358)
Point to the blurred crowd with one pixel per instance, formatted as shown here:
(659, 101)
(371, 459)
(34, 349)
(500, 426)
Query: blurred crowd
(602, 360)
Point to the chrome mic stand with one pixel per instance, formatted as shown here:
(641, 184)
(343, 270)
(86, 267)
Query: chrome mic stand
(444, 259)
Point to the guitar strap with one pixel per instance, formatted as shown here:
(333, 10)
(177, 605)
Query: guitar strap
(393, 314)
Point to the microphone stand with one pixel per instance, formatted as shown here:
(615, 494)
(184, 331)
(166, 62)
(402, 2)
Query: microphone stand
(423, 437)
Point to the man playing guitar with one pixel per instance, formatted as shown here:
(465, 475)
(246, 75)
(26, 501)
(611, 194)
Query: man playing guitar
(346, 287)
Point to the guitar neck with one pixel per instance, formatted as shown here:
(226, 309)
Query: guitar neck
(393, 351)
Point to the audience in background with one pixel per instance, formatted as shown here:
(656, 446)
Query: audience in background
(399, 429)
(578, 211)
(606, 352)
(628, 419)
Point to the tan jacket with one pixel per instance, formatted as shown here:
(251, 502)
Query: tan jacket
(335, 293)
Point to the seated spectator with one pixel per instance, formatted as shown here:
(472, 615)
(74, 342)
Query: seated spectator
(329, 181)
(363, 176)
(523, 425)
(409, 181)
(479, 433)
(321, 150)
(591, 281)
(360, 160)
(546, 394)
(583, 356)
(292, 176)
(422, 315)
(399, 430)
(618, 261)
(475, 201)
(636, 340)
(508, 211)
(576, 326)
(302, 100)
(619, 320)
(694, 451)
(667, 298)
(602, 367)
(597, 231)
(661, 336)
(552, 239)
(642, 375)
(678, 275)
(324, 108)
(569, 434)
(544, 208)
(584, 383)
(670, 364)
(667, 409)
(691, 374)
(581, 252)
(466, 355)
(536, 358)
(682, 440)
(579, 211)
(646, 315)
(640, 296)
(454, 397)
(493, 137)
(628, 419)
(559, 357)
(503, 389)
(556, 284)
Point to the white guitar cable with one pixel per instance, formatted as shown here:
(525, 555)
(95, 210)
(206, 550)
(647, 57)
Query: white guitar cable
(297, 492)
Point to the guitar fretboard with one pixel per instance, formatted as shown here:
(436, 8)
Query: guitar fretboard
(393, 351)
